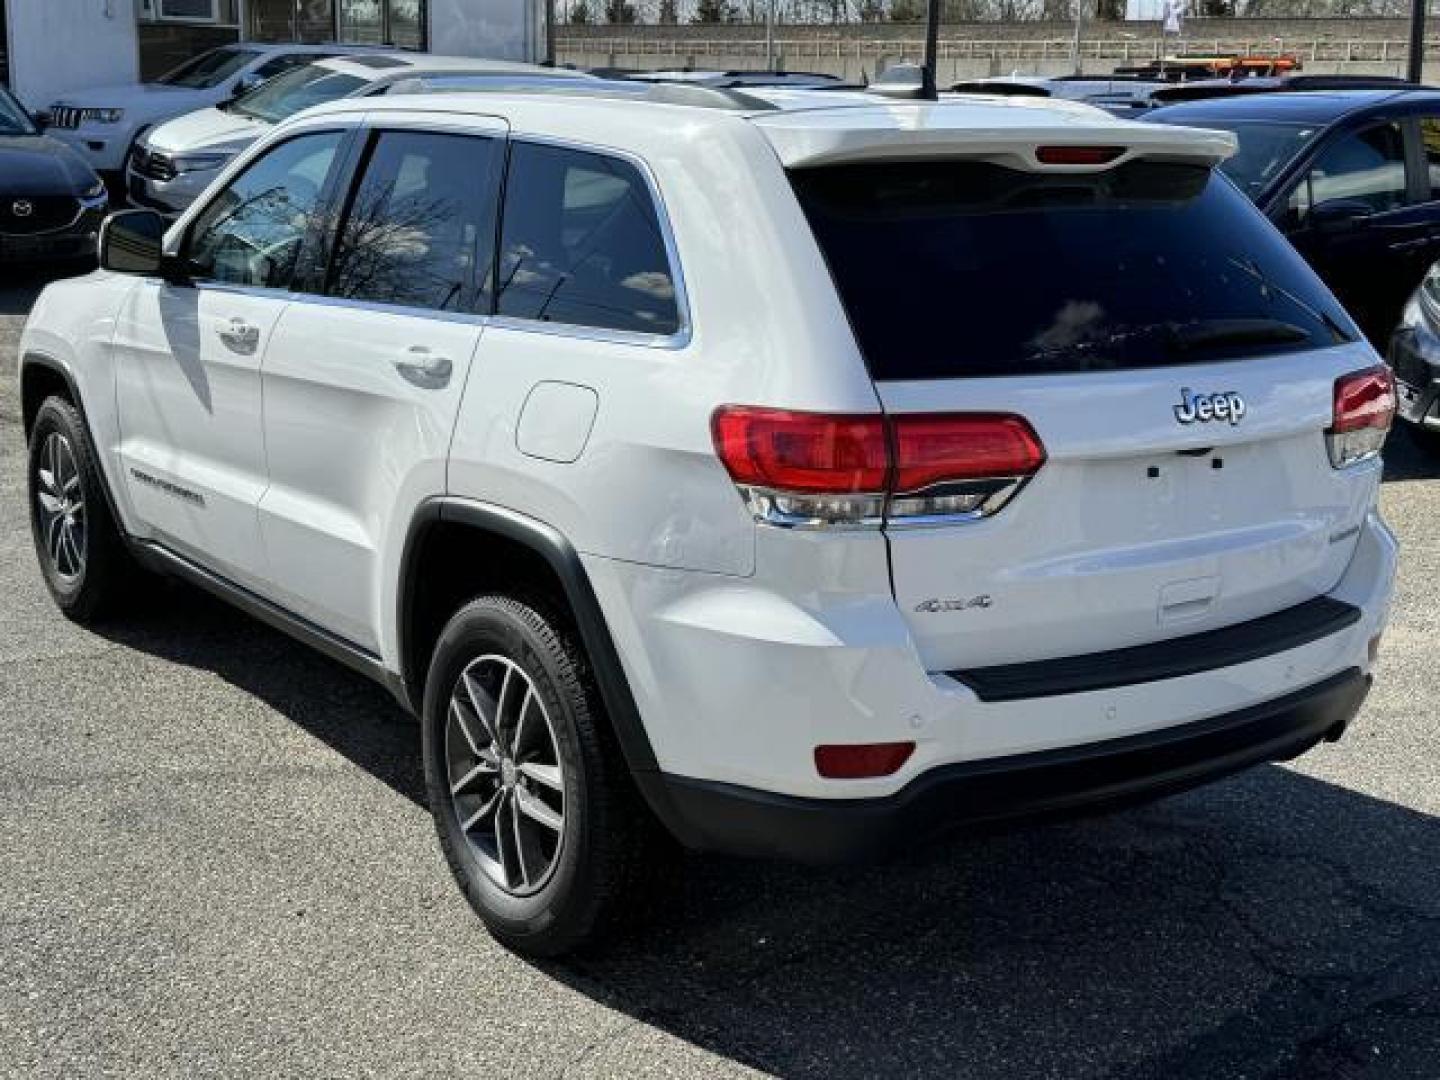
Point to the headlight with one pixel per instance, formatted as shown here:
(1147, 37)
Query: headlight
(95, 191)
(102, 116)
(199, 162)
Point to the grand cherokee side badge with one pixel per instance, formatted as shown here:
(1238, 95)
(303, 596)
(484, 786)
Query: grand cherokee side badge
(1202, 408)
(932, 607)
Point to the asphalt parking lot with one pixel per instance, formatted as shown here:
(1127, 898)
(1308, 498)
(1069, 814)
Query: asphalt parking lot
(214, 861)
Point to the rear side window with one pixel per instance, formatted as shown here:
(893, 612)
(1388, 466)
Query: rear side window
(419, 228)
(581, 244)
(963, 269)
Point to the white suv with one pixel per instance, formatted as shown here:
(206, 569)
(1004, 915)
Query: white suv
(789, 474)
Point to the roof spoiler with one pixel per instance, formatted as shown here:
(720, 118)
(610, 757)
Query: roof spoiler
(1019, 147)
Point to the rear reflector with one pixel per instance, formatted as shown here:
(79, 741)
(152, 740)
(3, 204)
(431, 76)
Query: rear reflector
(809, 469)
(1077, 155)
(1364, 409)
(862, 760)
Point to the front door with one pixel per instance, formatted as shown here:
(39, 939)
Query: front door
(188, 358)
(1353, 219)
(364, 379)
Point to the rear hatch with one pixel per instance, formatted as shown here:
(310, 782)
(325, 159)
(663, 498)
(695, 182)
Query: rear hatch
(1176, 364)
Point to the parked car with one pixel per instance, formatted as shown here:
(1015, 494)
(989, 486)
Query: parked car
(1124, 96)
(175, 162)
(1351, 177)
(1414, 357)
(51, 202)
(102, 124)
(743, 79)
(890, 505)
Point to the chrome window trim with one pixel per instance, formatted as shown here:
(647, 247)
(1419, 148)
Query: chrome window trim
(683, 334)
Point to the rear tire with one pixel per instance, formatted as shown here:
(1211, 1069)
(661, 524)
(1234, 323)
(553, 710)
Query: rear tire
(81, 553)
(535, 809)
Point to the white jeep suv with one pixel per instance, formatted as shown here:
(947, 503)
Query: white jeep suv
(785, 474)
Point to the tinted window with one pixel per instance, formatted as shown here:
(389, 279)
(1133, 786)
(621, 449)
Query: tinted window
(209, 69)
(1430, 140)
(252, 233)
(420, 223)
(581, 244)
(1367, 166)
(1266, 147)
(299, 88)
(284, 62)
(952, 269)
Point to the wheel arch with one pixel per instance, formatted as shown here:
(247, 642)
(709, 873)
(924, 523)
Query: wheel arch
(550, 564)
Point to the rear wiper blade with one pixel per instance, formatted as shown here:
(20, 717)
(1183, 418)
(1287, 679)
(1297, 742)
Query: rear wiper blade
(1219, 333)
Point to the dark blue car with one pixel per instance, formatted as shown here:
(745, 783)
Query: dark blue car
(1352, 177)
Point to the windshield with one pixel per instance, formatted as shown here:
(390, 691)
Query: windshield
(209, 69)
(301, 87)
(13, 118)
(1266, 147)
(964, 269)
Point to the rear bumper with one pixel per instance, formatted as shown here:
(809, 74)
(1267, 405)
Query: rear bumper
(745, 821)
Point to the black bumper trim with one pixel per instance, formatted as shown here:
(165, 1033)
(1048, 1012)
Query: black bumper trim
(1190, 655)
(744, 821)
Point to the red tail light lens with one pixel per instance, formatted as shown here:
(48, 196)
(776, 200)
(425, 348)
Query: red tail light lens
(931, 450)
(802, 452)
(862, 761)
(1077, 155)
(811, 469)
(1364, 409)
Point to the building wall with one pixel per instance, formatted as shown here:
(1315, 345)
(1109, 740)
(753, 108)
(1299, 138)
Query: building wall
(497, 29)
(63, 45)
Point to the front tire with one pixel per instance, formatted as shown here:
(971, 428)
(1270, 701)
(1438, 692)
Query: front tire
(536, 813)
(76, 540)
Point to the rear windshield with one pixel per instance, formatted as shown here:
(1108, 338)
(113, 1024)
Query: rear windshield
(963, 269)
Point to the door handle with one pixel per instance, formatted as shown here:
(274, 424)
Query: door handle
(238, 334)
(425, 369)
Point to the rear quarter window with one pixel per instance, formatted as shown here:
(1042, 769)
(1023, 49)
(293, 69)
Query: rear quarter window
(969, 269)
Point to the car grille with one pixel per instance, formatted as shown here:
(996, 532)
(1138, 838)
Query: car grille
(22, 215)
(152, 165)
(66, 117)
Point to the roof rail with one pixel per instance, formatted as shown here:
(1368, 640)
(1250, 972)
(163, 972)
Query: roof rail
(662, 93)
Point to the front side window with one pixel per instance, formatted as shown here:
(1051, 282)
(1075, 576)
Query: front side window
(419, 228)
(299, 88)
(209, 69)
(581, 244)
(1364, 167)
(253, 232)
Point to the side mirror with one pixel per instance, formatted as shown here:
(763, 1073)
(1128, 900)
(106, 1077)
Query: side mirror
(130, 242)
(1339, 213)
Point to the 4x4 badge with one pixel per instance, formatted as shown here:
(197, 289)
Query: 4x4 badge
(1202, 408)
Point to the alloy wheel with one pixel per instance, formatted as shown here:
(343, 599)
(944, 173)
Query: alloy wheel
(507, 784)
(61, 502)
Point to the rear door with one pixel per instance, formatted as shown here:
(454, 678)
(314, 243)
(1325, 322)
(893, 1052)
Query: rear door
(364, 377)
(1173, 355)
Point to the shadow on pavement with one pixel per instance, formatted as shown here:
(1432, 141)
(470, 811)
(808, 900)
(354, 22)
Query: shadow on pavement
(1272, 925)
(1405, 459)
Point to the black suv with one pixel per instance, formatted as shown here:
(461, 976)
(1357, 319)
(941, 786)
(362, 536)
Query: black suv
(1352, 177)
(51, 201)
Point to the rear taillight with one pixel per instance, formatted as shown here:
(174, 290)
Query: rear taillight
(1364, 408)
(811, 469)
